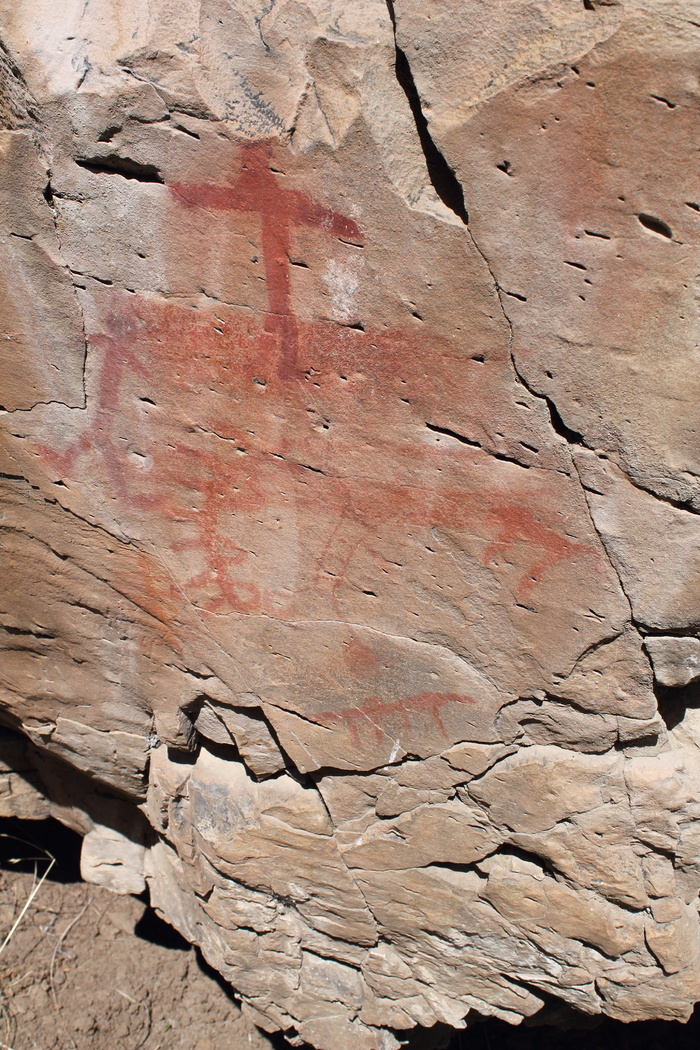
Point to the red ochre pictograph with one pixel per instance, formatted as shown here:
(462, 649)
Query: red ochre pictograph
(280, 210)
(364, 714)
(225, 457)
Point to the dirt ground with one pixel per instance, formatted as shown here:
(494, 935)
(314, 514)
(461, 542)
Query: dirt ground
(86, 970)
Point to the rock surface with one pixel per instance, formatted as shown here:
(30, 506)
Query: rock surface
(350, 493)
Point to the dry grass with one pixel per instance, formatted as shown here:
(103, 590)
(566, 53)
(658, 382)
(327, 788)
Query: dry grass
(37, 883)
(76, 974)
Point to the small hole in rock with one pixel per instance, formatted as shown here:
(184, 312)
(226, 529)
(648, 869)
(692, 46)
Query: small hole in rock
(654, 225)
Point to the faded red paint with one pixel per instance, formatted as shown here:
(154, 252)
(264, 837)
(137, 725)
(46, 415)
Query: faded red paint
(359, 657)
(354, 718)
(281, 210)
(118, 357)
(201, 496)
(517, 525)
(215, 497)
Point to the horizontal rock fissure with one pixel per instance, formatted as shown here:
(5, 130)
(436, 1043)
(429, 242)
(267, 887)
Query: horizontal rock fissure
(654, 225)
(122, 166)
(475, 444)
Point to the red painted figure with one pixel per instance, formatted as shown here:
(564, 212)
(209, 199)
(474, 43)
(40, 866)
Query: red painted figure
(207, 496)
(375, 707)
(257, 190)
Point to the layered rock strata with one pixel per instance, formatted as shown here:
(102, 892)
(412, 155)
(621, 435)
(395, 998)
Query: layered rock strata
(350, 493)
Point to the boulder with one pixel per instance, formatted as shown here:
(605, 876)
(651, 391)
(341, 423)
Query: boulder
(350, 493)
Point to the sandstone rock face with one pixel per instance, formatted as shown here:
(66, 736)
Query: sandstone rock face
(350, 598)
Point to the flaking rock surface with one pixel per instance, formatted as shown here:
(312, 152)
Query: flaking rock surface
(349, 385)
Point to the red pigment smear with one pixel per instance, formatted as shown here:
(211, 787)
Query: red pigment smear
(176, 353)
(360, 657)
(281, 210)
(118, 357)
(179, 354)
(375, 708)
(518, 525)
